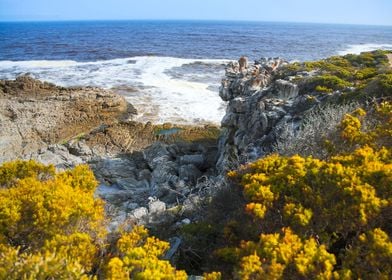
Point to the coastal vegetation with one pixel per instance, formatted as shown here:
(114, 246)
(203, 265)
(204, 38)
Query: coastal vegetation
(355, 76)
(299, 217)
(53, 227)
(318, 207)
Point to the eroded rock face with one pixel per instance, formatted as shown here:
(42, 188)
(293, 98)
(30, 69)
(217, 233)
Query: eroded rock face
(34, 114)
(260, 104)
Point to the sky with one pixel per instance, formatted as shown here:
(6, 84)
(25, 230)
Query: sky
(373, 12)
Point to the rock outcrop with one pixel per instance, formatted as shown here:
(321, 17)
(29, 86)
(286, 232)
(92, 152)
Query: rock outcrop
(145, 171)
(261, 102)
(35, 114)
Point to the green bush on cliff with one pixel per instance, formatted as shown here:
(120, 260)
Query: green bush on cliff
(330, 82)
(357, 76)
(368, 59)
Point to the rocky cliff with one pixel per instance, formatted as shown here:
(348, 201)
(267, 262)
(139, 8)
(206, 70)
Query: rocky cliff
(265, 101)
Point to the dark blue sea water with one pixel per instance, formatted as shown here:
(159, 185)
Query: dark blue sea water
(102, 40)
(170, 70)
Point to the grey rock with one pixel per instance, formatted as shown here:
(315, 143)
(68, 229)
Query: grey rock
(186, 221)
(285, 89)
(156, 154)
(126, 183)
(156, 206)
(189, 173)
(128, 205)
(139, 213)
(144, 174)
(175, 243)
(58, 155)
(79, 148)
(197, 160)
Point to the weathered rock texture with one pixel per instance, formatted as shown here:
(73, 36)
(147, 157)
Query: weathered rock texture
(261, 102)
(34, 114)
(145, 171)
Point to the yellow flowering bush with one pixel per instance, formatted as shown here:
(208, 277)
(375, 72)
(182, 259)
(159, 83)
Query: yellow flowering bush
(284, 255)
(139, 258)
(322, 219)
(52, 227)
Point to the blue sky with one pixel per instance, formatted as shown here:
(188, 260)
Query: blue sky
(378, 12)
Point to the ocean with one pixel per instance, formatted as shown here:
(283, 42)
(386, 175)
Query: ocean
(169, 70)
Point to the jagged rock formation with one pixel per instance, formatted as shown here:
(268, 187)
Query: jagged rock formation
(34, 114)
(261, 101)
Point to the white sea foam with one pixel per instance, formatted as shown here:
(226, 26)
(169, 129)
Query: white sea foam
(358, 48)
(144, 81)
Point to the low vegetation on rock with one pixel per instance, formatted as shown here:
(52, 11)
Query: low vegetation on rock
(355, 76)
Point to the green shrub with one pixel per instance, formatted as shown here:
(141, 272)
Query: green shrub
(323, 89)
(365, 73)
(330, 81)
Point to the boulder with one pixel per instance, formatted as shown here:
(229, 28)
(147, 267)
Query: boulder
(189, 173)
(139, 213)
(197, 160)
(156, 207)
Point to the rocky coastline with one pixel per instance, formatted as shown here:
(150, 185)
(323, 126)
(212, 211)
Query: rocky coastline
(148, 173)
(157, 175)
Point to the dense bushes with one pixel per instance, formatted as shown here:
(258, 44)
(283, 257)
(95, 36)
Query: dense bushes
(353, 76)
(52, 227)
(324, 219)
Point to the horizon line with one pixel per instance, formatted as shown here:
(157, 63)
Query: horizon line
(189, 20)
